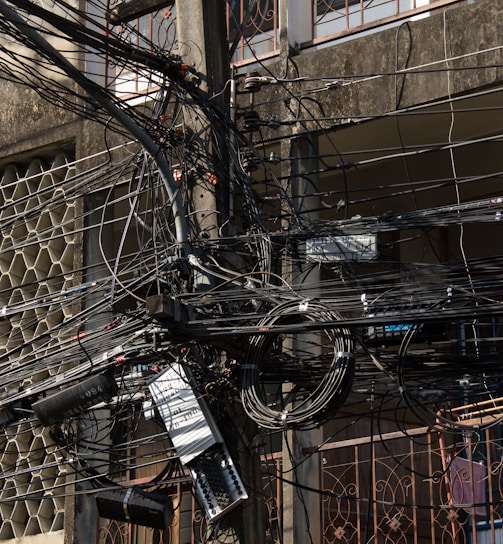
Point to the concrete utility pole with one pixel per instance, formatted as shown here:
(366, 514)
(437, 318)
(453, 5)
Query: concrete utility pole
(202, 36)
(301, 509)
(297, 502)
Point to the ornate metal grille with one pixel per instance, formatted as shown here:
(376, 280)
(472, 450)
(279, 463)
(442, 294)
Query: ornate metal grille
(156, 30)
(333, 18)
(418, 487)
(253, 29)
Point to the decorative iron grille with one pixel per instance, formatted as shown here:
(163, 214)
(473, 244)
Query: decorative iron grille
(421, 486)
(334, 18)
(253, 29)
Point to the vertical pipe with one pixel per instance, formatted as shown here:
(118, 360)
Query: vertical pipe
(414, 498)
(430, 485)
(356, 458)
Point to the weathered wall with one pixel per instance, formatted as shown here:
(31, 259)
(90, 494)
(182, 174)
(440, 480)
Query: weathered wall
(29, 122)
(421, 44)
(56, 537)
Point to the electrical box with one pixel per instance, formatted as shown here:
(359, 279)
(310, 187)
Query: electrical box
(197, 441)
(217, 482)
(191, 429)
(394, 331)
(327, 249)
(135, 506)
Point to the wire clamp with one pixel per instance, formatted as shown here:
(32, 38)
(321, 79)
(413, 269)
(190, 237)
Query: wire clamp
(284, 422)
(303, 306)
(125, 504)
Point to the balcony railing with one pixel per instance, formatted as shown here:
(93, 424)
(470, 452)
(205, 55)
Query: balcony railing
(335, 18)
(420, 487)
(253, 30)
(254, 26)
(190, 524)
(153, 30)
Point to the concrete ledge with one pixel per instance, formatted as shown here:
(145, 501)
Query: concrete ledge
(56, 537)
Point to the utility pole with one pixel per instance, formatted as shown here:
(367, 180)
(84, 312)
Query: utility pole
(202, 31)
(301, 508)
(203, 45)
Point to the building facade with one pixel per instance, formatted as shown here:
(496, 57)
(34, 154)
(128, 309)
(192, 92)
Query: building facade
(304, 231)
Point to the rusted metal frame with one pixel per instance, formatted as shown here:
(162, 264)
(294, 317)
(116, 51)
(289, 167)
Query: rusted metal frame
(241, 49)
(445, 471)
(412, 454)
(155, 27)
(242, 39)
(359, 512)
(374, 488)
(367, 439)
(431, 452)
(276, 458)
(430, 484)
(472, 489)
(375, 24)
(124, 12)
(355, 445)
(490, 494)
(275, 26)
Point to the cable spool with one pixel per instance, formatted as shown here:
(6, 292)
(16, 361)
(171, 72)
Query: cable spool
(297, 381)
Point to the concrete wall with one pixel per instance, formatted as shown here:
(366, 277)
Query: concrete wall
(460, 31)
(30, 122)
(56, 537)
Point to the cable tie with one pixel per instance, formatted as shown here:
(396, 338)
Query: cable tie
(284, 415)
(125, 504)
(344, 354)
(117, 350)
(303, 306)
(193, 260)
(3, 311)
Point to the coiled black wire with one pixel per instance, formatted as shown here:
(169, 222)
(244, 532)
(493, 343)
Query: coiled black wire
(320, 382)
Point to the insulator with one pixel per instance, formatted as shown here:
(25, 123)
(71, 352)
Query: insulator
(251, 121)
(248, 160)
(274, 159)
(252, 83)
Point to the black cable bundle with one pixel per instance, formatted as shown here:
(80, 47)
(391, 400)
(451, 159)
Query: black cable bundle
(320, 381)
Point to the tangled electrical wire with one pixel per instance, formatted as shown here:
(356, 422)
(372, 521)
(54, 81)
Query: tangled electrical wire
(314, 374)
(243, 290)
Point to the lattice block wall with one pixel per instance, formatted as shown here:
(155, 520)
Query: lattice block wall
(37, 223)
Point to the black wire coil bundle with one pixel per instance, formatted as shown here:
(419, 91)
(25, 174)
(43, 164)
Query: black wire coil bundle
(297, 381)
